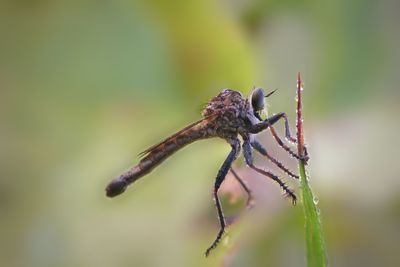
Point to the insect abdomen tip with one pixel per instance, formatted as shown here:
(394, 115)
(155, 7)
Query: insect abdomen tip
(116, 187)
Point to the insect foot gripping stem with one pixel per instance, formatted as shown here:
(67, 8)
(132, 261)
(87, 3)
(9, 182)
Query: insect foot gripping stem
(116, 187)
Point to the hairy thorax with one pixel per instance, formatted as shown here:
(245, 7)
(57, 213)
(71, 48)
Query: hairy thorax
(228, 113)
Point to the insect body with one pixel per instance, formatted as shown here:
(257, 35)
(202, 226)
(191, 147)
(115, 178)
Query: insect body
(227, 116)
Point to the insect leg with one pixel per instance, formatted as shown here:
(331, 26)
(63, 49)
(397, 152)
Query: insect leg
(290, 138)
(259, 147)
(267, 123)
(250, 199)
(218, 181)
(248, 155)
(287, 130)
(261, 126)
(287, 148)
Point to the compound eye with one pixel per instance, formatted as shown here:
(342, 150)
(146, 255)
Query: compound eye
(258, 99)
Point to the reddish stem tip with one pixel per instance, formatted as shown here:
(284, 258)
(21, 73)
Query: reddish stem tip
(299, 125)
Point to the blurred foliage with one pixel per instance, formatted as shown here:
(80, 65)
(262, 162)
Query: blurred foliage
(87, 85)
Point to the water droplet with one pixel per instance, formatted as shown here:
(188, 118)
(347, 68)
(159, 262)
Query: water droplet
(315, 200)
(301, 88)
(296, 99)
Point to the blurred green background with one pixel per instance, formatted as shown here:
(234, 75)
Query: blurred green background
(86, 85)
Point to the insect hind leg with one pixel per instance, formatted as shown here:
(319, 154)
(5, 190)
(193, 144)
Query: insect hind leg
(218, 181)
(250, 198)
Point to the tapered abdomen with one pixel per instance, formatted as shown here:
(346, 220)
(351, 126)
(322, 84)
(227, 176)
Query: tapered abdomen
(155, 155)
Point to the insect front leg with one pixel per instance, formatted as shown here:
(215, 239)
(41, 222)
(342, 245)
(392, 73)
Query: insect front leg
(248, 155)
(235, 144)
(261, 126)
(287, 148)
(267, 123)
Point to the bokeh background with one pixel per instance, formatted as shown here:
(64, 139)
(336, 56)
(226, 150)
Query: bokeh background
(86, 85)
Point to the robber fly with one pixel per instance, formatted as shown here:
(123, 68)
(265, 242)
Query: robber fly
(227, 116)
